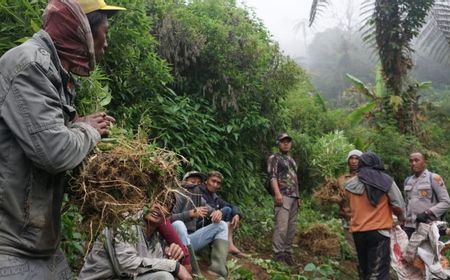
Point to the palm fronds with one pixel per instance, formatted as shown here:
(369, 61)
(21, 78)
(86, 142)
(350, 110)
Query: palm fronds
(434, 38)
(316, 8)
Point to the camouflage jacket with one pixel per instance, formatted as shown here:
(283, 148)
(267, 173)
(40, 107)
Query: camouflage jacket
(283, 168)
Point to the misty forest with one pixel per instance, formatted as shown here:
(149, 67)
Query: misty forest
(202, 85)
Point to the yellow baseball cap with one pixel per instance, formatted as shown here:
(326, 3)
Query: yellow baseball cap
(93, 5)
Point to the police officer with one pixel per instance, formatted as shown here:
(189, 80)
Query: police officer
(426, 196)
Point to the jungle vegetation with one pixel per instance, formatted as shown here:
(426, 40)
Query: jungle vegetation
(204, 79)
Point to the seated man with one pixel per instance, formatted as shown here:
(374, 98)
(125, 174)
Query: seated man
(230, 213)
(189, 209)
(146, 257)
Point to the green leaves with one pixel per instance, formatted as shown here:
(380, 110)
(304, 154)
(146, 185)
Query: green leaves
(328, 155)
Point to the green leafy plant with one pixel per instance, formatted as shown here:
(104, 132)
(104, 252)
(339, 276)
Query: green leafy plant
(329, 154)
(320, 272)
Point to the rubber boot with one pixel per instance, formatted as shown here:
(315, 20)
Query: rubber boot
(194, 263)
(219, 252)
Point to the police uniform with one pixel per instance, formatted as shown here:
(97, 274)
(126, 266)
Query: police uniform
(425, 193)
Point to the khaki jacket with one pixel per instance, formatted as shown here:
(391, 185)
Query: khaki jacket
(38, 143)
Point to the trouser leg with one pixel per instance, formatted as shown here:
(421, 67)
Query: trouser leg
(204, 236)
(182, 232)
(292, 225)
(378, 256)
(361, 252)
(281, 226)
(159, 275)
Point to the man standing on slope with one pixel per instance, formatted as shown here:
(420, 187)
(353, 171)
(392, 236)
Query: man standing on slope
(41, 135)
(344, 210)
(282, 171)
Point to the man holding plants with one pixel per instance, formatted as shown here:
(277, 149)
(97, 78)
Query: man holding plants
(426, 195)
(41, 135)
(282, 171)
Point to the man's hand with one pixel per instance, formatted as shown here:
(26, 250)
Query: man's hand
(174, 252)
(235, 221)
(198, 212)
(425, 217)
(100, 121)
(278, 199)
(183, 274)
(216, 216)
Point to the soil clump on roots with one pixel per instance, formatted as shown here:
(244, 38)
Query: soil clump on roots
(112, 186)
(329, 192)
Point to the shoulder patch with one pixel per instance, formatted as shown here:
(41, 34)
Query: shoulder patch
(438, 180)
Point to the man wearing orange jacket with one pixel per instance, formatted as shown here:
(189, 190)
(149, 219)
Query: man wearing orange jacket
(373, 197)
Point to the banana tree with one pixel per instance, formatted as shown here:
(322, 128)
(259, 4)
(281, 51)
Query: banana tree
(380, 100)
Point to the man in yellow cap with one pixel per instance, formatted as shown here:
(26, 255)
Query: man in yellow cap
(97, 5)
(41, 135)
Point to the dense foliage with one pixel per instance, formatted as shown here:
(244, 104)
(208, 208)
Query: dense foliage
(204, 78)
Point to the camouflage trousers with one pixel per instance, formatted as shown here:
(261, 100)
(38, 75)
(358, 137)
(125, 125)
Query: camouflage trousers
(23, 268)
(285, 225)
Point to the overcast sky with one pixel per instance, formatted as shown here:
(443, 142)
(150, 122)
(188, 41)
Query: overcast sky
(283, 17)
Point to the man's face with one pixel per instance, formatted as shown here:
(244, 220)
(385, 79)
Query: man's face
(100, 38)
(213, 184)
(417, 163)
(193, 180)
(285, 145)
(353, 163)
(157, 214)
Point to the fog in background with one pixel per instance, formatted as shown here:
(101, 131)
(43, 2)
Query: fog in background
(333, 47)
(287, 20)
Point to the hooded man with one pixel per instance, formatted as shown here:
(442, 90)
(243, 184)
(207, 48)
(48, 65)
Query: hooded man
(41, 135)
(373, 196)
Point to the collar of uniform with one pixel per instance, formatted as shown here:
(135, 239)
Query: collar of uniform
(423, 175)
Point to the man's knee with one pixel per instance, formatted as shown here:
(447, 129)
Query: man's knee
(222, 230)
(182, 232)
(179, 227)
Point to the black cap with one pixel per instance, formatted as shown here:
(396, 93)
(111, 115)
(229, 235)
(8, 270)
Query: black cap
(284, 136)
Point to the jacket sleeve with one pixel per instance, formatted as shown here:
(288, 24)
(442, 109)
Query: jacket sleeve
(180, 210)
(33, 111)
(272, 167)
(438, 186)
(396, 201)
(170, 235)
(131, 263)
